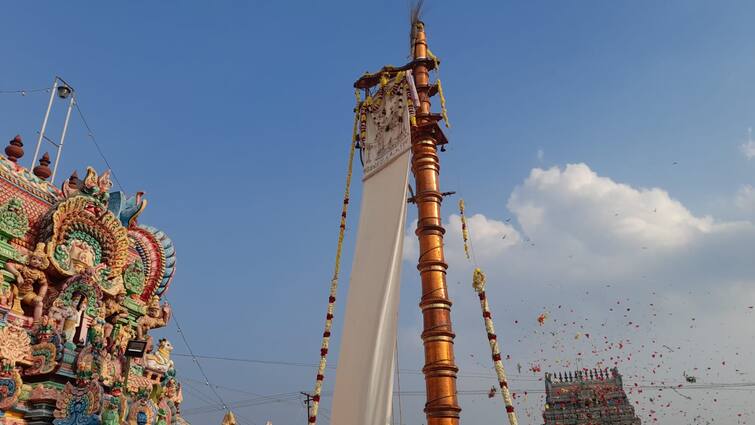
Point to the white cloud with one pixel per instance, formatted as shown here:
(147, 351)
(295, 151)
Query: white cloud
(572, 222)
(577, 202)
(598, 248)
(748, 149)
(745, 199)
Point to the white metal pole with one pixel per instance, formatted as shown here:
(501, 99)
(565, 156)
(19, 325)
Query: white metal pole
(62, 138)
(44, 122)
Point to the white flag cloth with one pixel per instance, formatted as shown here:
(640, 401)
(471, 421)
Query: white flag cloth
(364, 377)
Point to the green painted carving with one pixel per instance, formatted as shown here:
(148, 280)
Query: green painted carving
(87, 290)
(13, 220)
(62, 257)
(13, 224)
(62, 253)
(110, 415)
(135, 308)
(103, 278)
(133, 278)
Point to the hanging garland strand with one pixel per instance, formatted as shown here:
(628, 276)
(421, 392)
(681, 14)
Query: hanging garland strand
(478, 283)
(443, 110)
(336, 270)
(464, 228)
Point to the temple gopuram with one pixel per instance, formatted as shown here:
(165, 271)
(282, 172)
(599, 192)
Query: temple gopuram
(81, 289)
(587, 397)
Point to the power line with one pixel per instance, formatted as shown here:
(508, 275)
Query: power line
(743, 386)
(311, 365)
(272, 397)
(196, 361)
(90, 133)
(24, 92)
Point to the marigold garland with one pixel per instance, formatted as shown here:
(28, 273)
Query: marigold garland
(402, 81)
(443, 110)
(336, 270)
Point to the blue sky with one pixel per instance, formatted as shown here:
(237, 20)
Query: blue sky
(235, 117)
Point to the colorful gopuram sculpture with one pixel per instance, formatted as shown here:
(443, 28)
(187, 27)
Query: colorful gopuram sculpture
(587, 397)
(81, 283)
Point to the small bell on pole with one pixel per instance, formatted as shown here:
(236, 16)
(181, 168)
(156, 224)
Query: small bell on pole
(64, 90)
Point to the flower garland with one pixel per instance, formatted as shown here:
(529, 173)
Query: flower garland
(478, 282)
(403, 81)
(464, 228)
(443, 110)
(336, 270)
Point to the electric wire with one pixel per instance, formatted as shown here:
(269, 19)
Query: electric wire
(257, 401)
(398, 387)
(312, 365)
(90, 133)
(290, 398)
(196, 361)
(24, 92)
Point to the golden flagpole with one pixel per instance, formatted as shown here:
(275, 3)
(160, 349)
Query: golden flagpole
(440, 368)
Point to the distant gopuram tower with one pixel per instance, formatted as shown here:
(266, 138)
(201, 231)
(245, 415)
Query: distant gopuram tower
(594, 397)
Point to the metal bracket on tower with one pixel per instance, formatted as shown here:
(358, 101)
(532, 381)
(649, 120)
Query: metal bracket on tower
(64, 91)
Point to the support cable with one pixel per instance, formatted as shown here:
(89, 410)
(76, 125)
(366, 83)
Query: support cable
(196, 361)
(398, 388)
(90, 133)
(24, 92)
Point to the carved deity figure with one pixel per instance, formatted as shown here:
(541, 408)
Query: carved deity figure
(82, 255)
(160, 359)
(157, 316)
(29, 277)
(172, 391)
(161, 417)
(6, 296)
(110, 415)
(121, 340)
(114, 309)
(114, 312)
(72, 316)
